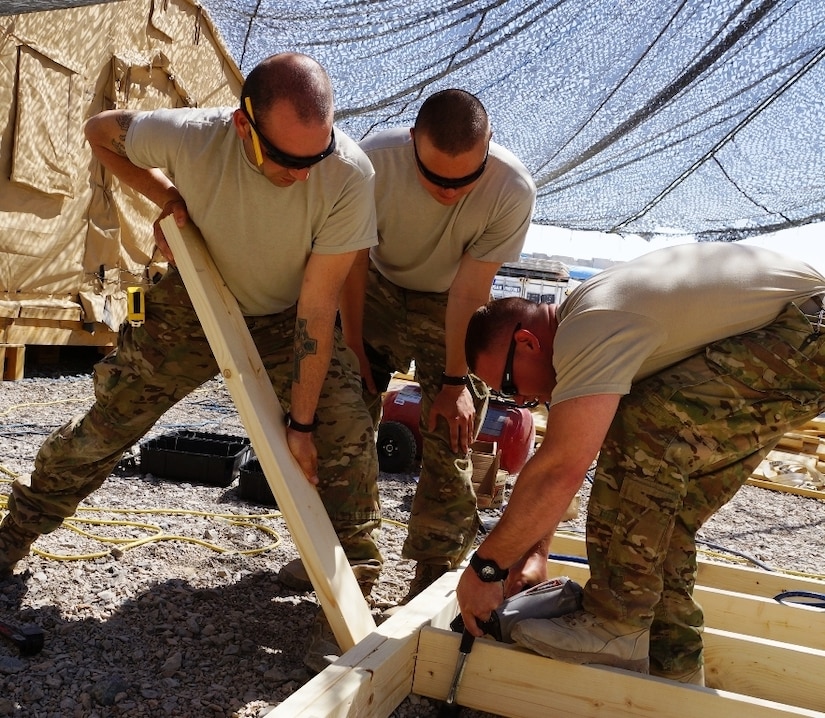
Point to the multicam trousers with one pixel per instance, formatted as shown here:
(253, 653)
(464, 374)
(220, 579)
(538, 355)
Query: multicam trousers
(158, 364)
(682, 443)
(401, 325)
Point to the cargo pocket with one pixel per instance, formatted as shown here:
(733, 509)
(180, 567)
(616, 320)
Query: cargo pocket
(644, 524)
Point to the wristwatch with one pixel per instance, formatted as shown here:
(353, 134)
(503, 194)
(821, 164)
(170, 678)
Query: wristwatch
(452, 380)
(488, 570)
(297, 426)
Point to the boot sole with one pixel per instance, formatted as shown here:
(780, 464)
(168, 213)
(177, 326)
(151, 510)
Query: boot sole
(640, 665)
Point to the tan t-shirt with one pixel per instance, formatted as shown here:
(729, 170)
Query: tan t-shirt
(421, 242)
(259, 235)
(636, 318)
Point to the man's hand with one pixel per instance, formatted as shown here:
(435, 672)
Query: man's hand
(303, 449)
(176, 207)
(364, 368)
(529, 571)
(456, 406)
(477, 600)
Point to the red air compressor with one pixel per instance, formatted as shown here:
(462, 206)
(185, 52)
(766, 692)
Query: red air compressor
(399, 438)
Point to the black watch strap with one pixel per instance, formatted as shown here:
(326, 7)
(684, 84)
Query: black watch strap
(488, 570)
(450, 380)
(297, 426)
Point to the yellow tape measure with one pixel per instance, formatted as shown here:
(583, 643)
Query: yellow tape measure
(136, 310)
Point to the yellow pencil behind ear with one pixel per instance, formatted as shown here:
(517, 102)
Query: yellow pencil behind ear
(256, 144)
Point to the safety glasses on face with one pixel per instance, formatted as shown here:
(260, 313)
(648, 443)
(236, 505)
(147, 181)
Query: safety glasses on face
(449, 182)
(291, 162)
(508, 388)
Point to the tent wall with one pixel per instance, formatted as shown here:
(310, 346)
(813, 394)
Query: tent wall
(70, 241)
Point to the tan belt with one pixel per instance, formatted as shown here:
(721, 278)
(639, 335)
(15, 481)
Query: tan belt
(813, 309)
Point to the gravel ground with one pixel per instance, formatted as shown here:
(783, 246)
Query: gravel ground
(193, 621)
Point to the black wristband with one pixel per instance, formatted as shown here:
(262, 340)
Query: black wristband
(297, 426)
(487, 569)
(449, 380)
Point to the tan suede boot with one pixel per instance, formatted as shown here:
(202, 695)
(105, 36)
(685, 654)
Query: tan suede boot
(581, 637)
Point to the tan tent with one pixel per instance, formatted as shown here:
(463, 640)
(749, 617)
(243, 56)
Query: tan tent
(69, 245)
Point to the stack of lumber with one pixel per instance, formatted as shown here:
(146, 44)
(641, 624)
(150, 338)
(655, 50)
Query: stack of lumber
(797, 464)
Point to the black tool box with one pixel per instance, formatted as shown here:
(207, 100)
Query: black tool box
(252, 484)
(199, 457)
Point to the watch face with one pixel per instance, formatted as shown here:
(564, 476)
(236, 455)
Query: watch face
(488, 572)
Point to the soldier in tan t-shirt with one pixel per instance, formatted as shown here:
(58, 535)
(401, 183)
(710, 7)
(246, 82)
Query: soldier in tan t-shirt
(681, 370)
(284, 202)
(451, 206)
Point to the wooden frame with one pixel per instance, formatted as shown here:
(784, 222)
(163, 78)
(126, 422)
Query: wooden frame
(763, 659)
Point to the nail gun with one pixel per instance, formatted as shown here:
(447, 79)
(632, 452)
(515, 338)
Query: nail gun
(549, 599)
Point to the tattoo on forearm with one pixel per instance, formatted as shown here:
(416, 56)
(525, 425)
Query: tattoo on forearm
(124, 120)
(304, 346)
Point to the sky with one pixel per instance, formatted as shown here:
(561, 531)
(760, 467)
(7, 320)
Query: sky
(806, 243)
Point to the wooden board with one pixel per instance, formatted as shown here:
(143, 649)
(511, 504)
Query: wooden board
(796, 490)
(510, 682)
(12, 361)
(784, 646)
(740, 579)
(377, 674)
(55, 332)
(766, 669)
(262, 416)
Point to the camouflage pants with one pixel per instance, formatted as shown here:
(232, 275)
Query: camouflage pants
(682, 443)
(158, 364)
(401, 325)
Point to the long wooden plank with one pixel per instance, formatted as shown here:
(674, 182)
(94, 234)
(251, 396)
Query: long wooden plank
(372, 678)
(47, 332)
(741, 579)
(510, 682)
(766, 669)
(796, 490)
(263, 418)
(762, 617)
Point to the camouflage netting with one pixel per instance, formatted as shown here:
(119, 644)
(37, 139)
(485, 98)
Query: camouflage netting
(634, 116)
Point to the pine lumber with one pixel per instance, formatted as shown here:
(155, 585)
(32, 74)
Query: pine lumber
(766, 669)
(12, 361)
(796, 490)
(747, 635)
(263, 419)
(372, 678)
(60, 332)
(804, 446)
(741, 579)
(510, 682)
(805, 442)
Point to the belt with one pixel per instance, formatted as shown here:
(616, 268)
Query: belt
(813, 309)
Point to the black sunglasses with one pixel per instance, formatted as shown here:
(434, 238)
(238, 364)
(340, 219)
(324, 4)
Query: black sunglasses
(508, 386)
(291, 162)
(449, 182)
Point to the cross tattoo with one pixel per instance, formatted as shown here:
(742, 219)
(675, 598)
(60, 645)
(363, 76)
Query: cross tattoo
(304, 346)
